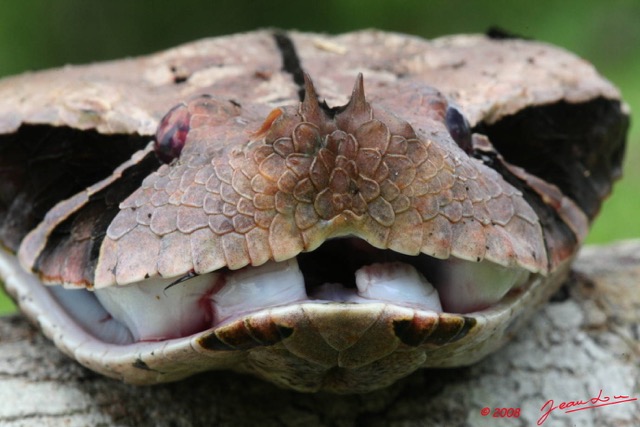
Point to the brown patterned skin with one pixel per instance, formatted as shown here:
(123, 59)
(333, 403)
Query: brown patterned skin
(263, 177)
(235, 198)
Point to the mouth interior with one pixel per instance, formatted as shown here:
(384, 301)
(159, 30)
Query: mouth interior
(343, 270)
(337, 260)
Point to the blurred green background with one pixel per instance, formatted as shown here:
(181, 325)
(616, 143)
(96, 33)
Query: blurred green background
(39, 34)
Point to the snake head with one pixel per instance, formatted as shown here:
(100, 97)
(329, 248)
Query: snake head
(408, 226)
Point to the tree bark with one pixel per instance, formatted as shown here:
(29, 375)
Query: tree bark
(584, 344)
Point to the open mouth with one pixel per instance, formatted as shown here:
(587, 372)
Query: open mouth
(343, 270)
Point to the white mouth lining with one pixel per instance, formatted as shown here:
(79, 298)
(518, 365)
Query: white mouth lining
(395, 282)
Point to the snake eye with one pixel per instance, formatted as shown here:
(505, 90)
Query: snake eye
(172, 133)
(459, 129)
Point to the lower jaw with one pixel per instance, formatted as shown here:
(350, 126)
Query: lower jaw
(155, 361)
(162, 309)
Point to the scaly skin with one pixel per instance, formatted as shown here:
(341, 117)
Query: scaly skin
(234, 198)
(263, 176)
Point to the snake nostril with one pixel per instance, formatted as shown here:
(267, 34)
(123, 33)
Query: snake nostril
(459, 129)
(172, 133)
